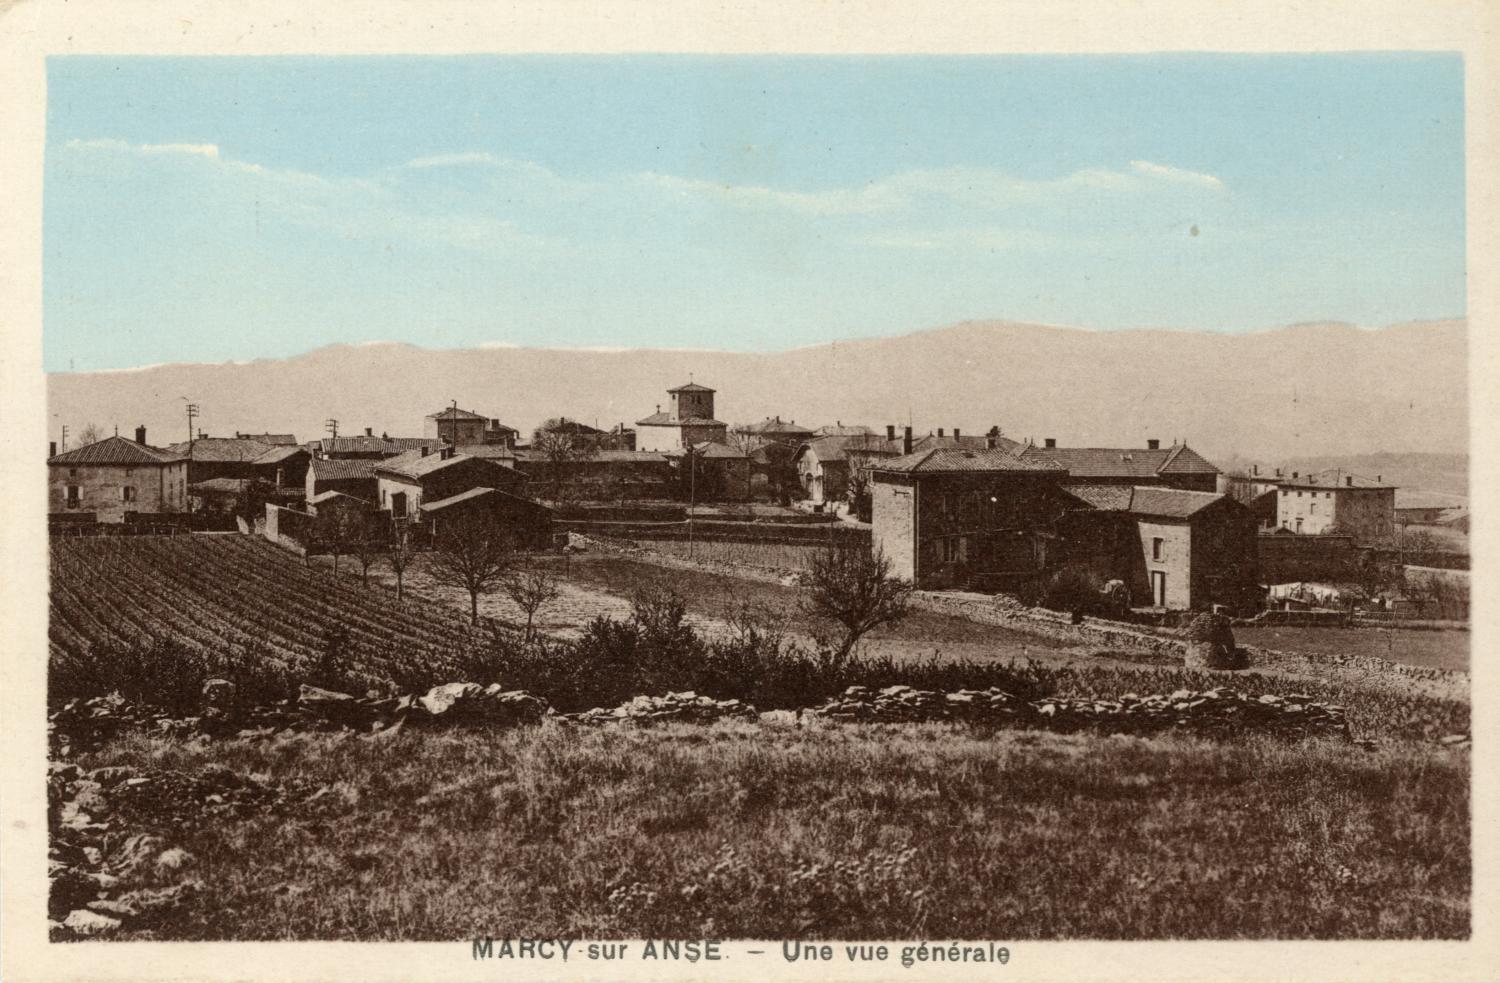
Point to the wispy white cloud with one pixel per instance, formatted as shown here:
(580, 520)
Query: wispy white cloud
(508, 203)
(1163, 172)
(872, 197)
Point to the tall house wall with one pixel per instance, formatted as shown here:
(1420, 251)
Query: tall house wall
(101, 489)
(894, 525)
(1172, 557)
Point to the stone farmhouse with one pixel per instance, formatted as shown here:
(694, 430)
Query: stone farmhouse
(114, 476)
(825, 464)
(1336, 501)
(991, 519)
(688, 420)
(1180, 549)
(774, 428)
(529, 522)
(404, 482)
(722, 472)
(951, 516)
(463, 428)
(351, 477)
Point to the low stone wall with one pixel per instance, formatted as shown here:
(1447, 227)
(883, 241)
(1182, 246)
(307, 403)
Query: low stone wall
(1209, 711)
(1305, 619)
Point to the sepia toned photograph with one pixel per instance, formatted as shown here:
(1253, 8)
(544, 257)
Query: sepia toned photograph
(707, 498)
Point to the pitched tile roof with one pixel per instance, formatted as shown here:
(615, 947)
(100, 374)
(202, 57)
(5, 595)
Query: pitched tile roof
(665, 420)
(277, 454)
(1110, 498)
(1121, 462)
(220, 449)
(324, 469)
(711, 450)
(841, 430)
(691, 387)
(775, 425)
(415, 464)
(489, 452)
(453, 413)
(1152, 500)
(275, 439)
(473, 493)
(389, 446)
(1331, 479)
(1171, 502)
(840, 447)
(114, 450)
(962, 459)
(1185, 460)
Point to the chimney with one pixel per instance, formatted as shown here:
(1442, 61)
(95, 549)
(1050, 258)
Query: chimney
(51, 448)
(940, 431)
(1296, 475)
(1348, 481)
(1278, 472)
(906, 440)
(140, 435)
(955, 433)
(1255, 469)
(890, 431)
(989, 442)
(1050, 442)
(1379, 479)
(1153, 445)
(369, 431)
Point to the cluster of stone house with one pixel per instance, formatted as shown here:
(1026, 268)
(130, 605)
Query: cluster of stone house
(996, 517)
(949, 509)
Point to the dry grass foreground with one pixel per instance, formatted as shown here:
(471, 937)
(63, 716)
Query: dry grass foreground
(779, 831)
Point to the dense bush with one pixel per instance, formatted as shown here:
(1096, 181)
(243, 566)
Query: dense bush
(655, 651)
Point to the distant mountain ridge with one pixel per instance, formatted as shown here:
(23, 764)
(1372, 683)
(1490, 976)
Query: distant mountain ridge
(1312, 390)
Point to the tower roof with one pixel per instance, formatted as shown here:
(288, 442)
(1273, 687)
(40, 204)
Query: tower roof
(691, 387)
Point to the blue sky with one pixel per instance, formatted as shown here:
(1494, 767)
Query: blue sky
(224, 208)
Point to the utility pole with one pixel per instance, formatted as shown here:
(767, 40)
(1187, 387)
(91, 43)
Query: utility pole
(692, 457)
(332, 426)
(192, 414)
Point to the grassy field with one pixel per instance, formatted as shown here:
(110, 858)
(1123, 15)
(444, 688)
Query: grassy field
(718, 596)
(736, 831)
(1440, 649)
(773, 556)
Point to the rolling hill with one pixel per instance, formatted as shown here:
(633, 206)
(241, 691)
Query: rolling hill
(1305, 391)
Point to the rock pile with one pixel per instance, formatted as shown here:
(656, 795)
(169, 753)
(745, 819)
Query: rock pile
(96, 865)
(1214, 710)
(81, 725)
(687, 706)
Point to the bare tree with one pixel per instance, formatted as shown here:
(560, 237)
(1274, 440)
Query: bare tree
(336, 527)
(399, 552)
(531, 589)
(853, 587)
(560, 444)
(91, 433)
(368, 543)
(472, 551)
